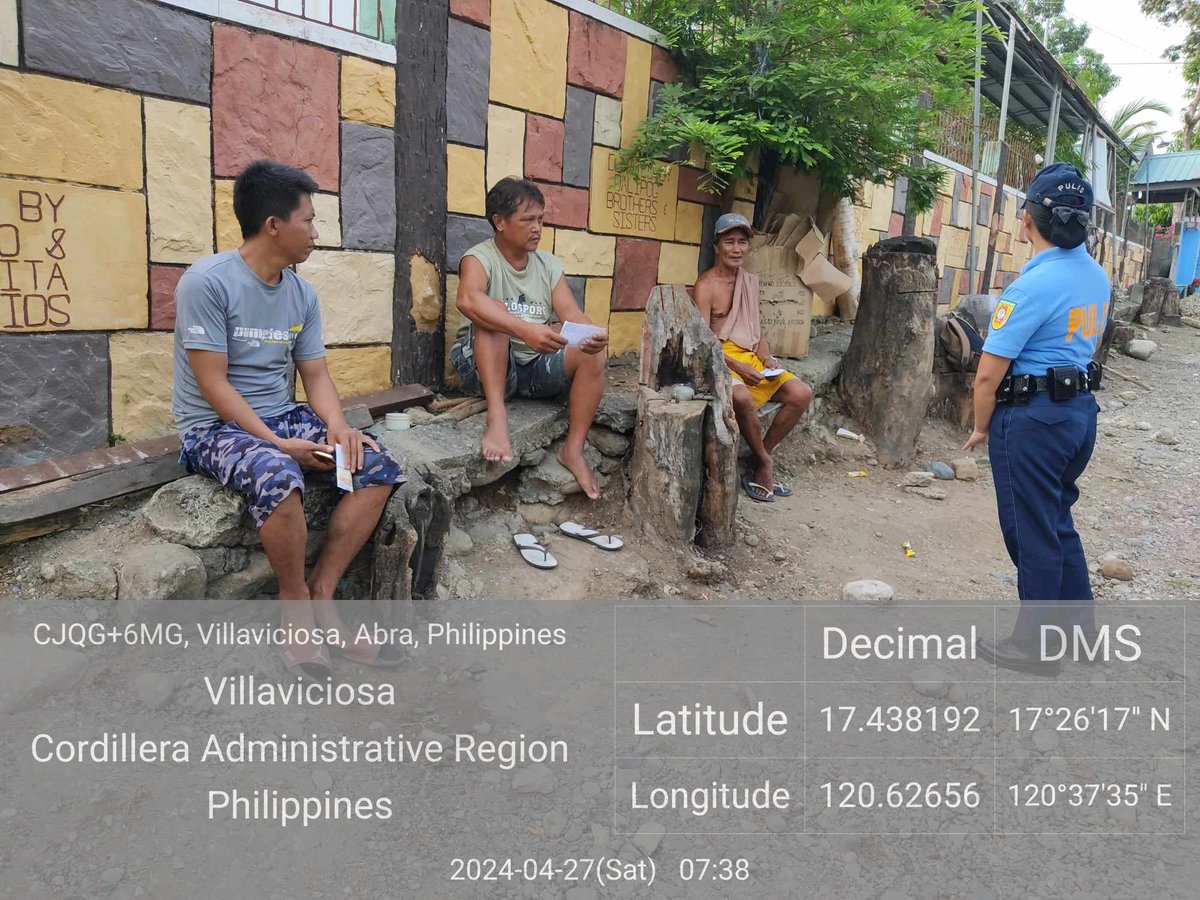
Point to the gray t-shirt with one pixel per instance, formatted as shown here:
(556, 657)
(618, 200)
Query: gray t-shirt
(221, 305)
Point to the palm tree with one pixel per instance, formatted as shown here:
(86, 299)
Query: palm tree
(1135, 131)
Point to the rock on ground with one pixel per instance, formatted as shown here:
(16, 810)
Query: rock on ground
(82, 575)
(1140, 349)
(1167, 436)
(549, 481)
(607, 441)
(917, 479)
(868, 590)
(535, 779)
(29, 673)
(196, 512)
(941, 471)
(244, 583)
(537, 513)
(930, 492)
(1115, 568)
(458, 542)
(966, 469)
(151, 574)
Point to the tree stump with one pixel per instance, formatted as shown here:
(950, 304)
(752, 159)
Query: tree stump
(408, 546)
(1158, 296)
(696, 499)
(887, 372)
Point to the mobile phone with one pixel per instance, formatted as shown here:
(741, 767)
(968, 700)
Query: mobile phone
(323, 454)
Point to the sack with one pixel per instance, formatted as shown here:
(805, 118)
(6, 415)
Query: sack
(962, 342)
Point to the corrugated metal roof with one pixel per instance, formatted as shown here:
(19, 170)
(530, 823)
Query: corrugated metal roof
(1163, 168)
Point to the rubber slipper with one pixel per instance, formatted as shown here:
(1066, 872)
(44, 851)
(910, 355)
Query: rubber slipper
(385, 656)
(309, 661)
(782, 490)
(533, 552)
(591, 535)
(756, 491)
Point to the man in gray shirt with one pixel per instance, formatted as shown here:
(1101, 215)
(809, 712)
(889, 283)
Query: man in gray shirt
(241, 316)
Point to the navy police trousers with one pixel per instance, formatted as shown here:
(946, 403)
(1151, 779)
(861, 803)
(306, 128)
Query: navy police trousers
(1038, 451)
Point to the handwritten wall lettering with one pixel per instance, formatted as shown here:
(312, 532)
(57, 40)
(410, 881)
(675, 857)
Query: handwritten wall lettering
(71, 258)
(637, 208)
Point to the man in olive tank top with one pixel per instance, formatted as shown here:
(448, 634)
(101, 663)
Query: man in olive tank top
(508, 290)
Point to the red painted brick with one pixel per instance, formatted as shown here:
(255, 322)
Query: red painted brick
(596, 56)
(162, 296)
(636, 273)
(662, 64)
(689, 187)
(566, 207)
(987, 190)
(935, 224)
(277, 99)
(896, 225)
(543, 148)
(477, 11)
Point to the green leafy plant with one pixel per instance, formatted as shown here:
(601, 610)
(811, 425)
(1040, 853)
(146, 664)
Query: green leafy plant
(849, 91)
(1180, 15)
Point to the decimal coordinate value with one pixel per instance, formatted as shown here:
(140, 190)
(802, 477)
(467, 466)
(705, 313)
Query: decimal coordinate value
(902, 795)
(896, 719)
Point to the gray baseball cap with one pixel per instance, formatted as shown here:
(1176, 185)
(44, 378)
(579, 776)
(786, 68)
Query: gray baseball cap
(730, 221)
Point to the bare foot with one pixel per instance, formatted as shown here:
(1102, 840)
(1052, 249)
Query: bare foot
(582, 471)
(765, 474)
(496, 445)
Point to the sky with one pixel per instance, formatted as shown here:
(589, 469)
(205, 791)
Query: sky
(1133, 44)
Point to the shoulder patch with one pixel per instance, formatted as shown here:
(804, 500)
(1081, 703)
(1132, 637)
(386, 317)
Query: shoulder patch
(1004, 311)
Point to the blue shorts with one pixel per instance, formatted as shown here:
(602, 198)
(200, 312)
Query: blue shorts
(543, 376)
(262, 473)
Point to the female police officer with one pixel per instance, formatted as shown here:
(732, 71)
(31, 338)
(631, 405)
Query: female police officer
(1042, 424)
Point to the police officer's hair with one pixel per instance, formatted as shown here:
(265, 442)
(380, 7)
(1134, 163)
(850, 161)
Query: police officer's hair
(507, 195)
(1066, 229)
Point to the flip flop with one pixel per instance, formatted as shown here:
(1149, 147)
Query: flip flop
(386, 656)
(309, 661)
(533, 552)
(756, 491)
(593, 537)
(782, 490)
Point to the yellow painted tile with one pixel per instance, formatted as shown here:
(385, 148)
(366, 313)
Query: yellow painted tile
(178, 185)
(598, 300)
(624, 333)
(368, 92)
(529, 56)
(582, 253)
(142, 366)
(506, 143)
(689, 222)
(69, 131)
(356, 370)
(464, 180)
(677, 263)
(547, 241)
(636, 100)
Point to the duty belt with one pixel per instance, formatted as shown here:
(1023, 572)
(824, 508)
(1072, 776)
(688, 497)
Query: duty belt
(1060, 383)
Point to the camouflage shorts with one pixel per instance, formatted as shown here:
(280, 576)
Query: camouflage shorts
(264, 474)
(543, 376)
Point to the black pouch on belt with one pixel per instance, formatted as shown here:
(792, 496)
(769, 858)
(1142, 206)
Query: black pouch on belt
(1063, 382)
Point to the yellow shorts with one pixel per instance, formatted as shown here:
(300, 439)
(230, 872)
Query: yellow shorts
(763, 391)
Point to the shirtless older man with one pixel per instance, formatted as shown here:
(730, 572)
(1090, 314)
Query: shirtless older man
(727, 297)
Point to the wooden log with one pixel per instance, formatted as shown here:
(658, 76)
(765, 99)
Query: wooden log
(1154, 298)
(678, 348)
(1172, 311)
(468, 409)
(418, 311)
(887, 372)
(408, 546)
(667, 472)
(441, 404)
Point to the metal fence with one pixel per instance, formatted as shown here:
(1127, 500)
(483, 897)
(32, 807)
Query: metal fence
(954, 141)
(370, 18)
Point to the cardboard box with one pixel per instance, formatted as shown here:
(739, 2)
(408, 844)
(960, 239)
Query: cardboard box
(785, 307)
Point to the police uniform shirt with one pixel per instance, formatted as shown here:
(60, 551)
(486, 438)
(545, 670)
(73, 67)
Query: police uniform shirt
(1053, 314)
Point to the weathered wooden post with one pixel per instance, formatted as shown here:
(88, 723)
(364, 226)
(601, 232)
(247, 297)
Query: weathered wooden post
(408, 546)
(887, 373)
(418, 315)
(1159, 297)
(683, 477)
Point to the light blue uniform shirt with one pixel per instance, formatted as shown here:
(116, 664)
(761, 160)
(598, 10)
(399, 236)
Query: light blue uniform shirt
(1053, 314)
